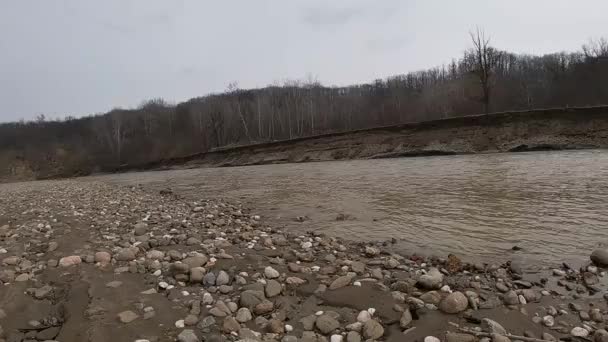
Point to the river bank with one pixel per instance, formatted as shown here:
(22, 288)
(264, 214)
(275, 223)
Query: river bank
(85, 260)
(536, 130)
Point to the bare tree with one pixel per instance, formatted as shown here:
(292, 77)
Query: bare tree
(486, 58)
(596, 48)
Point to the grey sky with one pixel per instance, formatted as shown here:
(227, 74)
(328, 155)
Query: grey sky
(82, 57)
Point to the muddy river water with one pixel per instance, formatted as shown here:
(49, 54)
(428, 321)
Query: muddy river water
(554, 205)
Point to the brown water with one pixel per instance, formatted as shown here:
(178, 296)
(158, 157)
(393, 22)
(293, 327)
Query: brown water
(552, 204)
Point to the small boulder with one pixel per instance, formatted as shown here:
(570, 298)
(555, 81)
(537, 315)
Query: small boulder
(600, 257)
(326, 324)
(454, 303)
(432, 280)
(372, 330)
(70, 261)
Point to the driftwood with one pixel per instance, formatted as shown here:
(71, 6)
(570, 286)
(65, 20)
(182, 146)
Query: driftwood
(485, 334)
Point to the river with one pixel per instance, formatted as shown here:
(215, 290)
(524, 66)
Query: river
(554, 205)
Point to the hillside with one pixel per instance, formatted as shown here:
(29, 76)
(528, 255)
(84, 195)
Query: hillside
(550, 129)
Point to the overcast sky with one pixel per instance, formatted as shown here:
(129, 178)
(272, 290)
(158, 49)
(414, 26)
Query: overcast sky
(82, 57)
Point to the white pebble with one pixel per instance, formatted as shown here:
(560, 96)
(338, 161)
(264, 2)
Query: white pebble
(163, 285)
(336, 338)
(431, 339)
(446, 289)
(157, 273)
(522, 299)
(318, 313)
(180, 324)
(371, 311)
(579, 332)
(185, 293)
(357, 283)
(364, 316)
(288, 328)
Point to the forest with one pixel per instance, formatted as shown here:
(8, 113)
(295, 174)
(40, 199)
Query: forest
(484, 79)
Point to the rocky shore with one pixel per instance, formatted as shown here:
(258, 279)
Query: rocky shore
(88, 261)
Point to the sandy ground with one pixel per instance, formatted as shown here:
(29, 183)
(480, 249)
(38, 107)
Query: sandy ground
(88, 261)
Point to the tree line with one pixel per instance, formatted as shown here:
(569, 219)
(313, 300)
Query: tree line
(484, 79)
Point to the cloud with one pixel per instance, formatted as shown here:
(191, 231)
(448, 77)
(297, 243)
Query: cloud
(330, 16)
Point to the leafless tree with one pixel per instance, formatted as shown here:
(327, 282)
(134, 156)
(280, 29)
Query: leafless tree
(486, 58)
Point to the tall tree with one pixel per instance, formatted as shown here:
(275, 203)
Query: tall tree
(486, 59)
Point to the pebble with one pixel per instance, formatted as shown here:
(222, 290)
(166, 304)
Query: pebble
(243, 315)
(353, 336)
(364, 316)
(271, 273)
(454, 303)
(340, 282)
(326, 324)
(70, 261)
(187, 335)
(336, 338)
(432, 280)
(372, 329)
(548, 321)
(127, 316)
(579, 332)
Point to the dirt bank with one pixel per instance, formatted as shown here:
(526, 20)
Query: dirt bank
(551, 129)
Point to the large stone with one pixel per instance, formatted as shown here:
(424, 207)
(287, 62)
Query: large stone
(431, 297)
(511, 298)
(271, 273)
(579, 332)
(406, 319)
(197, 274)
(209, 279)
(454, 303)
(600, 256)
(43, 292)
(195, 261)
(273, 288)
(264, 307)
(340, 282)
(275, 326)
(127, 316)
(230, 324)
(353, 336)
(251, 298)
(492, 327)
(222, 279)
(294, 281)
(187, 335)
(243, 315)
(140, 229)
(103, 257)
(326, 324)
(70, 261)
(357, 267)
(308, 322)
(372, 330)
(155, 255)
(432, 280)
(125, 254)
